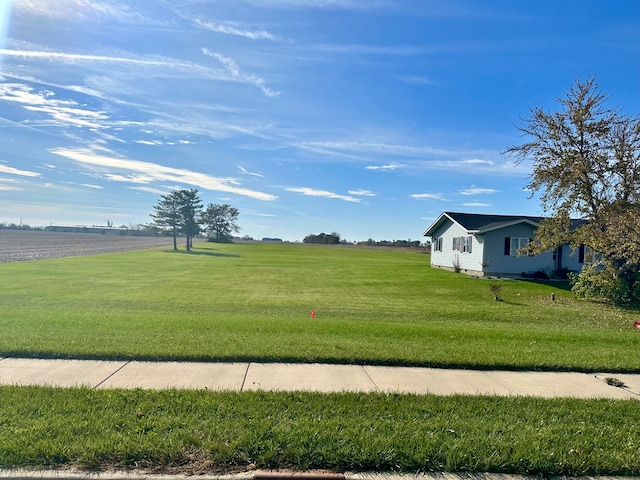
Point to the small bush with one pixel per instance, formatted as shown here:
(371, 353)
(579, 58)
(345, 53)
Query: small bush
(599, 284)
(456, 264)
(496, 290)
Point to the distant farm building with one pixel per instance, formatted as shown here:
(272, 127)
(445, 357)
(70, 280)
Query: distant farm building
(103, 230)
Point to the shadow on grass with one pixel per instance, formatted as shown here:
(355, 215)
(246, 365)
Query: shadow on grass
(206, 253)
(558, 284)
(329, 361)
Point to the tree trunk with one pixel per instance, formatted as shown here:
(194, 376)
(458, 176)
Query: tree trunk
(175, 239)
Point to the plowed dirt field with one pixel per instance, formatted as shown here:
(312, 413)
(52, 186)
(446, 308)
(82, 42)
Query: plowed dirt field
(26, 245)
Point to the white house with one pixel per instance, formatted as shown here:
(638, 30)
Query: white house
(496, 245)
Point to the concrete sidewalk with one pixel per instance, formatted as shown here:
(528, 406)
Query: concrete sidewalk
(280, 475)
(312, 377)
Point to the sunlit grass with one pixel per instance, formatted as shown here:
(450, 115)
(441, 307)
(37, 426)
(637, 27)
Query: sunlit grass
(253, 302)
(200, 431)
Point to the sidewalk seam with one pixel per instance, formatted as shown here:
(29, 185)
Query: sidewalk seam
(112, 373)
(492, 378)
(244, 379)
(375, 385)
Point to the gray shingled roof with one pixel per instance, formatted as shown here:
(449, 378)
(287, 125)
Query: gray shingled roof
(473, 222)
(478, 221)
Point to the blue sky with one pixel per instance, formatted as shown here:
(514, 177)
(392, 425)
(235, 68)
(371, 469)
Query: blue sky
(363, 117)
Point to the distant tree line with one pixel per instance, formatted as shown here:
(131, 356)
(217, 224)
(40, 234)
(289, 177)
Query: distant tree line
(13, 226)
(391, 243)
(131, 230)
(182, 212)
(324, 238)
(334, 239)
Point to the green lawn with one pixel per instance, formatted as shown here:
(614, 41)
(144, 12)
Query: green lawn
(253, 302)
(202, 432)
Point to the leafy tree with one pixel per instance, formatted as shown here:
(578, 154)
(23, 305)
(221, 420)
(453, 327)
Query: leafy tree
(323, 238)
(219, 221)
(179, 211)
(166, 214)
(586, 163)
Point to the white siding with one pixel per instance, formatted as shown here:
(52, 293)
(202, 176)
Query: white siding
(487, 254)
(448, 257)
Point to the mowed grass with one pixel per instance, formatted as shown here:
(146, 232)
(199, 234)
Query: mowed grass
(204, 432)
(253, 302)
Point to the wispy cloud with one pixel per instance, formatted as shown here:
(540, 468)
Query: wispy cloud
(234, 70)
(473, 190)
(78, 57)
(116, 177)
(8, 188)
(51, 110)
(311, 192)
(155, 191)
(390, 166)
(417, 157)
(362, 193)
(379, 148)
(83, 10)
(15, 171)
(476, 204)
(234, 28)
(247, 172)
(147, 172)
(323, 4)
(475, 161)
(418, 80)
(422, 49)
(60, 112)
(475, 166)
(427, 196)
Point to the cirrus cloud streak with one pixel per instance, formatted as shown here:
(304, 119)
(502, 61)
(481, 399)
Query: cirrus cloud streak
(147, 172)
(311, 192)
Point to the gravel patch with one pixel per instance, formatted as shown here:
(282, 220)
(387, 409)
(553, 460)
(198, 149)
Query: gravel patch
(28, 245)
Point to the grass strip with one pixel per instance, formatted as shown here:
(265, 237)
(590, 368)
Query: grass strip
(203, 431)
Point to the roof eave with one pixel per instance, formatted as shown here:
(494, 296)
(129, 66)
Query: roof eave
(505, 225)
(437, 223)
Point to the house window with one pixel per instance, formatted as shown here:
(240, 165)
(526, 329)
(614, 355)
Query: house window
(437, 244)
(514, 246)
(465, 244)
(588, 255)
(462, 244)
